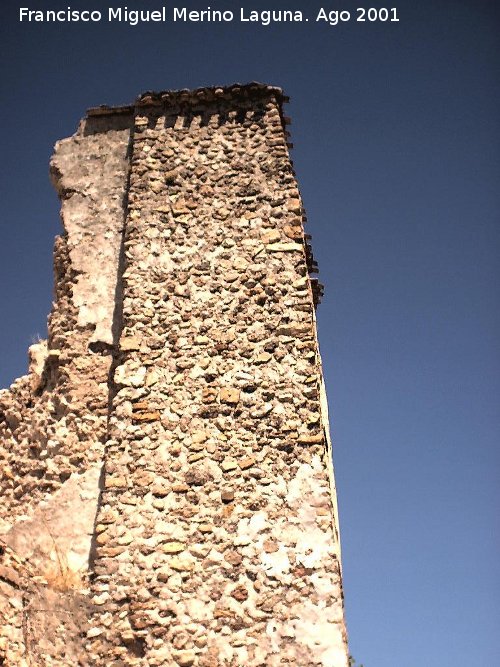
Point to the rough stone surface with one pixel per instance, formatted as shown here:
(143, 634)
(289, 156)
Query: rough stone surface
(167, 479)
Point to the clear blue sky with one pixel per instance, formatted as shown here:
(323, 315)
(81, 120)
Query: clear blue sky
(396, 129)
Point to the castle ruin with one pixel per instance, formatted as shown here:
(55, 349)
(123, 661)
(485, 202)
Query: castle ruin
(167, 485)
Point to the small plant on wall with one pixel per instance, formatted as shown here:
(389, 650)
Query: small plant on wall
(352, 662)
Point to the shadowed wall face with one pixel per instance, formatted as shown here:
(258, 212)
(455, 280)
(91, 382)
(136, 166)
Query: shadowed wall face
(215, 540)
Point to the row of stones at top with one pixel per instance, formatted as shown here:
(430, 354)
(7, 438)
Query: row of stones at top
(199, 118)
(261, 121)
(178, 100)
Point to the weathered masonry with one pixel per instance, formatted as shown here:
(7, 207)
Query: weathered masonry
(167, 488)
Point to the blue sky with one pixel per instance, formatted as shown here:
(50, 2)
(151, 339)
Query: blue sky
(396, 136)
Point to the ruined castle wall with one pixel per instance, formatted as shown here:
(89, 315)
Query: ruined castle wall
(53, 421)
(216, 543)
(171, 439)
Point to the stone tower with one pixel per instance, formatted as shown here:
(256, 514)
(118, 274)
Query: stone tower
(168, 486)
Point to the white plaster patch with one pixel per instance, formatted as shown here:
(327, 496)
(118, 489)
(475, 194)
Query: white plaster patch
(129, 374)
(60, 530)
(198, 610)
(224, 649)
(274, 634)
(313, 545)
(326, 587)
(319, 628)
(276, 564)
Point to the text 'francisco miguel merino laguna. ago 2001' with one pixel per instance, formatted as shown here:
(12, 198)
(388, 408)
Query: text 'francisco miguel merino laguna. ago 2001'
(264, 17)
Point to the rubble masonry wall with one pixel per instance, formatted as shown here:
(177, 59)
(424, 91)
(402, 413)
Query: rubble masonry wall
(182, 381)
